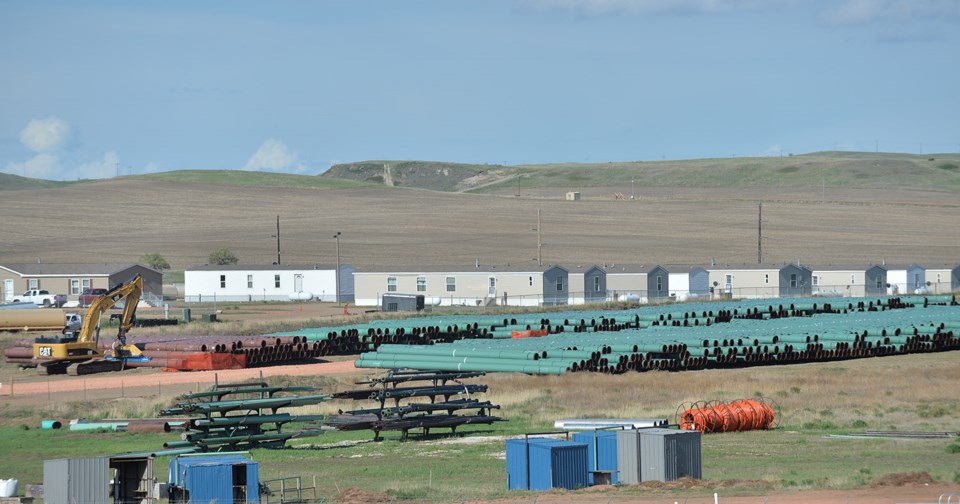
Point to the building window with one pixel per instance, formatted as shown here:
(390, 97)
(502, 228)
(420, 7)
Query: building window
(816, 281)
(559, 284)
(223, 281)
(793, 280)
(766, 278)
(916, 280)
(879, 283)
(451, 284)
(276, 281)
(249, 281)
(85, 283)
(74, 286)
(596, 284)
(421, 284)
(391, 284)
(33, 284)
(938, 277)
(531, 281)
(853, 279)
(659, 283)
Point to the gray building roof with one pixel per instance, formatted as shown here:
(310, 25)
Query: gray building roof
(630, 268)
(69, 269)
(265, 267)
(458, 268)
(755, 266)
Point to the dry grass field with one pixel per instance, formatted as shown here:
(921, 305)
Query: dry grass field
(119, 220)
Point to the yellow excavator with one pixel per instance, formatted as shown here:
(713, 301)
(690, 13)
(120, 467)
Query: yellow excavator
(76, 352)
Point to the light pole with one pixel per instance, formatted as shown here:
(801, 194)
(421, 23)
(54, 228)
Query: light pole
(337, 236)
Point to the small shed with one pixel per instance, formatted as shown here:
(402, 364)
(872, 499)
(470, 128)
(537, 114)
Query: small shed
(214, 479)
(402, 302)
(556, 286)
(76, 480)
(588, 284)
(699, 282)
(545, 463)
(796, 280)
(875, 280)
(573, 196)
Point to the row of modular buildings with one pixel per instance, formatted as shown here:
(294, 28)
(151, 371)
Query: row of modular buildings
(533, 285)
(488, 285)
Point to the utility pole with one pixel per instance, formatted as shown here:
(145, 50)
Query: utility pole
(760, 235)
(539, 241)
(337, 236)
(278, 240)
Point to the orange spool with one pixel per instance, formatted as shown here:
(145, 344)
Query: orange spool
(735, 416)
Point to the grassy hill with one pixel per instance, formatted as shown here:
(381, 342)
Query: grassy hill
(250, 178)
(937, 172)
(10, 182)
(432, 175)
(831, 169)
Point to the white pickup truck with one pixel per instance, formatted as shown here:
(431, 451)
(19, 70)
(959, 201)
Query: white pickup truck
(41, 298)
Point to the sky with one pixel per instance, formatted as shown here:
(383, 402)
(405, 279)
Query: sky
(97, 89)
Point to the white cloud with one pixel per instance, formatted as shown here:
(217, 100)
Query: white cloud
(274, 155)
(102, 168)
(41, 166)
(773, 151)
(152, 167)
(599, 7)
(868, 11)
(45, 135)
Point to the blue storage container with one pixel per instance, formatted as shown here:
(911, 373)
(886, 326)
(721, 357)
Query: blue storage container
(545, 463)
(214, 479)
(601, 453)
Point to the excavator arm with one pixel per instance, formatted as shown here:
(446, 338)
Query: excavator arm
(129, 293)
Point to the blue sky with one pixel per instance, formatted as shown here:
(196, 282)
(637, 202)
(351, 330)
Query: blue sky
(90, 89)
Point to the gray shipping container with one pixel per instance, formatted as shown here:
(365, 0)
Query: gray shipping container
(667, 454)
(76, 480)
(628, 457)
(658, 454)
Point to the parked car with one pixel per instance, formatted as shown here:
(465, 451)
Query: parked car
(41, 298)
(90, 295)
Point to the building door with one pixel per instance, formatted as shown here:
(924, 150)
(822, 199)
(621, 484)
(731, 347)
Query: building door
(728, 284)
(492, 287)
(7, 290)
(297, 283)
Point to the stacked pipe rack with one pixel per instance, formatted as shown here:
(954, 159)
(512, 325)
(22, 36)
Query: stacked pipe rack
(717, 335)
(242, 416)
(422, 415)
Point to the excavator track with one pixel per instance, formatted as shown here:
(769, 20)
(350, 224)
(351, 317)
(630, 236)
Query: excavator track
(53, 367)
(94, 366)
